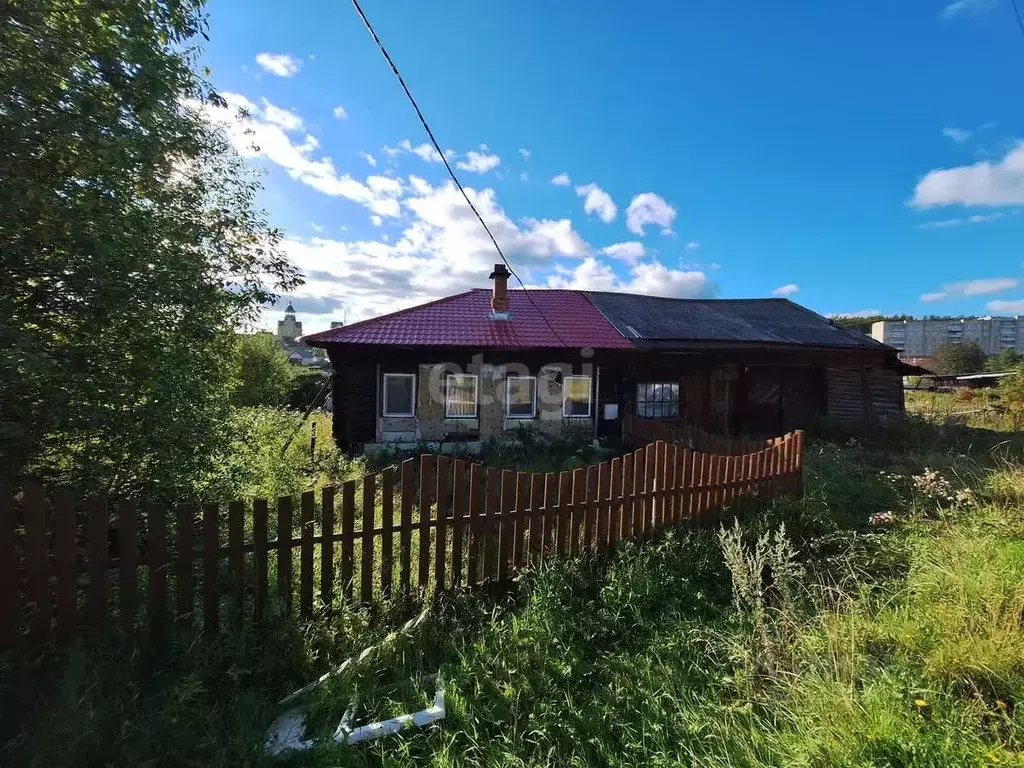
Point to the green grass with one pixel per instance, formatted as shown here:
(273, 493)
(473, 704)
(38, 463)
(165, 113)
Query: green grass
(898, 645)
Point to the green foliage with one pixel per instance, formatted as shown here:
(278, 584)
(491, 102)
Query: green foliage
(132, 247)
(308, 389)
(863, 324)
(884, 644)
(965, 357)
(257, 463)
(264, 374)
(1006, 360)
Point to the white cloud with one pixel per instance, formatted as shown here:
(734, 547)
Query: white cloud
(525, 153)
(857, 313)
(967, 8)
(427, 153)
(959, 135)
(257, 137)
(984, 183)
(315, 227)
(479, 162)
(280, 64)
(368, 158)
(376, 220)
(786, 290)
(442, 250)
(1004, 307)
(340, 113)
(652, 278)
(693, 245)
(524, 176)
(424, 151)
(282, 118)
(977, 218)
(630, 251)
(562, 180)
(649, 208)
(598, 202)
(968, 288)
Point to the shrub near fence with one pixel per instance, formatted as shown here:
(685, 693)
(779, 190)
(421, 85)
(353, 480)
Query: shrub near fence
(430, 524)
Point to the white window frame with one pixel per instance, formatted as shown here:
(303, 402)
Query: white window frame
(590, 398)
(476, 395)
(508, 398)
(384, 396)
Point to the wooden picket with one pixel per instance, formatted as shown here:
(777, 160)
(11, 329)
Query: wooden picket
(473, 526)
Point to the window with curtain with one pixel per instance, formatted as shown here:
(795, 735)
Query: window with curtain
(460, 396)
(399, 394)
(657, 400)
(576, 392)
(521, 397)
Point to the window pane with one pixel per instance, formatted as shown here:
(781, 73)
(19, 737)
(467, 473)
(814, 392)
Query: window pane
(657, 400)
(460, 400)
(520, 395)
(577, 396)
(398, 395)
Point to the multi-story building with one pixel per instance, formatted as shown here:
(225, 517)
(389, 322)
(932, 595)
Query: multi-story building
(918, 339)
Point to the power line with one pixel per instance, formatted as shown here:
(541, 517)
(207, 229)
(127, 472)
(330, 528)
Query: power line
(440, 152)
(1016, 12)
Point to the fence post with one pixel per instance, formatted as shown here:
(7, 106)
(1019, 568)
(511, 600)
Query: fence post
(306, 553)
(157, 561)
(387, 523)
(327, 546)
(366, 537)
(37, 588)
(128, 557)
(508, 501)
(185, 590)
(426, 476)
(259, 553)
(348, 525)
(284, 552)
(405, 534)
(211, 563)
(65, 565)
(799, 468)
(440, 531)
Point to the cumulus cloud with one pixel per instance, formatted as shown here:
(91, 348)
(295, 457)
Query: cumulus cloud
(968, 288)
(961, 8)
(282, 118)
(479, 162)
(280, 64)
(424, 151)
(630, 251)
(561, 180)
(959, 135)
(786, 290)
(525, 153)
(651, 278)
(368, 158)
(1004, 307)
(597, 202)
(983, 183)
(693, 245)
(340, 113)
(256, 136)
(649, 208)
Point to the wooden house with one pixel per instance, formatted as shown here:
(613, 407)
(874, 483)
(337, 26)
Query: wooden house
(482, 363)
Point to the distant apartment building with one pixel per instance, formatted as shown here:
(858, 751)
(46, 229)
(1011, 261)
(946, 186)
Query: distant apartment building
(918, 339)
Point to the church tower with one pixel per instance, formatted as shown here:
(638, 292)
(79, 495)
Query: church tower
(289, 329)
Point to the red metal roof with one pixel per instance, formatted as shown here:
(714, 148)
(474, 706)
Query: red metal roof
(464, 320)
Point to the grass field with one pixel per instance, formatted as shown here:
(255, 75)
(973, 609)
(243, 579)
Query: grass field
(812, 634)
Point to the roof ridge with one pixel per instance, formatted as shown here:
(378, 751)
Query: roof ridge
(388, 315)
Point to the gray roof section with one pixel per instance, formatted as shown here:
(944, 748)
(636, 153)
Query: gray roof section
(774, 321)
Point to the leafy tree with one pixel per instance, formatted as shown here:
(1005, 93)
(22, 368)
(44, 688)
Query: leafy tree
(308, 388)
(1006, 360)
(131, 247)
(967, 357)
(863, 324)
(264, 373)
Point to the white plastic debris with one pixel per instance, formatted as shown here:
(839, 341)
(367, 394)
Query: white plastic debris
(410, 625)
(371, 731)
(287, 732)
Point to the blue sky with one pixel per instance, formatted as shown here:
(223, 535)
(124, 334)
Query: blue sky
(854, 156)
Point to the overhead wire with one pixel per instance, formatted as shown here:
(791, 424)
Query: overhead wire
(447, 165)
(1016, 12)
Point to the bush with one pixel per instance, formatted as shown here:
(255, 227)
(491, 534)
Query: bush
(966, 357)
(264, 375)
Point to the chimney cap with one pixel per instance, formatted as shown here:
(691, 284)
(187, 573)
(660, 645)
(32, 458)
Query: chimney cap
(500, 270)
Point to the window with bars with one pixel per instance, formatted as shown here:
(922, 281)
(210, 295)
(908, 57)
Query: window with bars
(521, 397)
(399, 394)
(657, 400)
(576, 396)
(460, 396)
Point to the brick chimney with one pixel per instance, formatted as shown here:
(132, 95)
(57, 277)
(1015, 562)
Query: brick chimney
(499, 296)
